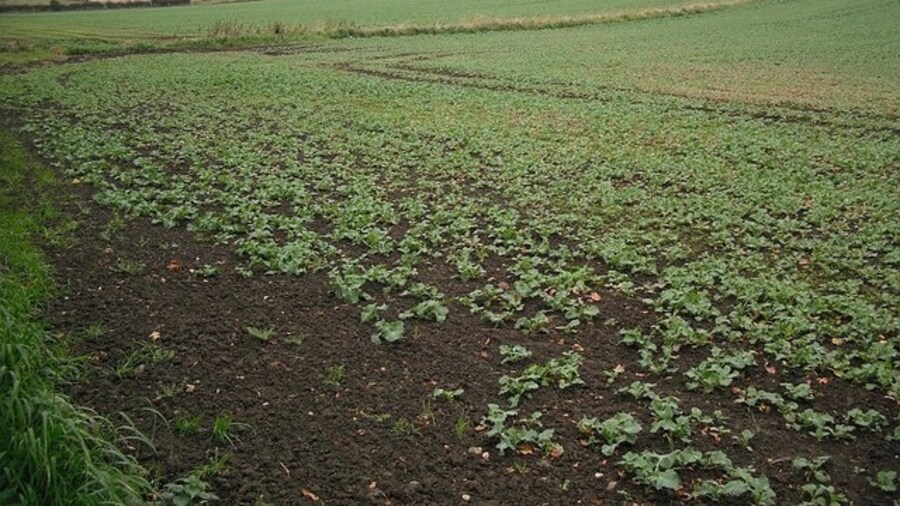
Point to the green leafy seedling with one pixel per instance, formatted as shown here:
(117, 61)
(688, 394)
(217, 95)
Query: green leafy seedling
(263, 334)
(186, 491)
(447, 395)
(513, 354)
(389, 331)
(886, 481)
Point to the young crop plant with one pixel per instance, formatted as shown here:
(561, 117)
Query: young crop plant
(764, 400)
(347, 283)
(739, 482)
(693, 303)
(886, 481)
(719, 370)
(818, 489)
(427, 310)
(517, 387)
(676, 425)
(661, 472)
(514, 353)
(563, 371)
(819, 425)
(447, 395)
(743, 439)
(388, 331)
(466, 268)
(520, 437)
(206, 271)
(640, 390)
(620, 429)
(115, 225)
(799, 392)
(371, 312)
(869, 419)
(294, 340)
(167, 391)
(658, 361)
(539, 323)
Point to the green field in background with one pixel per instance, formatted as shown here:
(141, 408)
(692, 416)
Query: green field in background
(196, 19)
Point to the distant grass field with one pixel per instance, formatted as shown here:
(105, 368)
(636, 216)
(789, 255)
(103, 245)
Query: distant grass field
(197, 20)
(822, 53)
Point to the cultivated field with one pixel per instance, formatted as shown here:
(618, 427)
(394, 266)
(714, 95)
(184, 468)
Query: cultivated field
(647, 261)
(192, 21)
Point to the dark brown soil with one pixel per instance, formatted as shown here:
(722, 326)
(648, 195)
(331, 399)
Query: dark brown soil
(306, 441)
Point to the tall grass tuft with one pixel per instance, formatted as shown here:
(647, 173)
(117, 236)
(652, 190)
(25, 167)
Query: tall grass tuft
(51, 452)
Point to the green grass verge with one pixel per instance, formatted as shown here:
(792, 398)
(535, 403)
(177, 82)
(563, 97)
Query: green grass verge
(51, 452)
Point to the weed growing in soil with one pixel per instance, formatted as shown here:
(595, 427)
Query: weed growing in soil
(188, 425)
(403, 427)
(147, 354)
(94, 331)
(462, 427)
(294, 340)
(216, 465)
(128, 267)
(334, 375)
(263, 334)
(224, 428)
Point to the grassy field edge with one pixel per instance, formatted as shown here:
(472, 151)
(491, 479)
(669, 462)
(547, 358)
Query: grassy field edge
(53, 452)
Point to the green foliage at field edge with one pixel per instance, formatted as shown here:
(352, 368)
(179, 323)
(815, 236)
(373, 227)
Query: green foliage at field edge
(52, 452)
